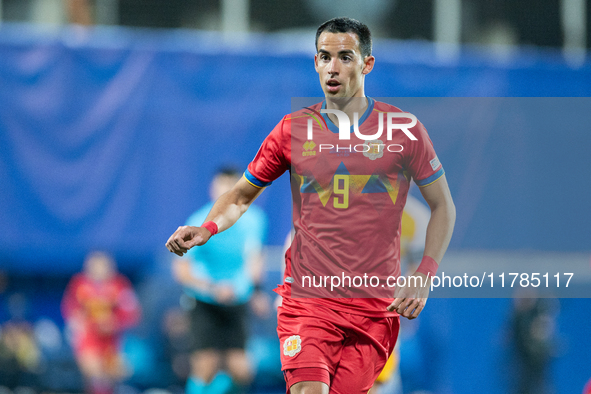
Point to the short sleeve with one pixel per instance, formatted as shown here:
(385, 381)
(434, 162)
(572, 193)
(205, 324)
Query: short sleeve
(421, 160)
(271, 161)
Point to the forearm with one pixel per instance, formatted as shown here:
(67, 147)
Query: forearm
(230, 206)
(182, 274)
(439, 230)
(195, 283)
(226, 211)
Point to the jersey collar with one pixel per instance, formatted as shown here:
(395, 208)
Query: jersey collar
(332, 127)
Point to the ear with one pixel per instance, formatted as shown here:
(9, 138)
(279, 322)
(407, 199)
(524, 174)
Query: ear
(369, 62)
(316, 62)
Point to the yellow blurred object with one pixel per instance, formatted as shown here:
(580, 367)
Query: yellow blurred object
(389, 368)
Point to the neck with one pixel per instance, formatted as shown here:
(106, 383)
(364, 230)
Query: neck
(348, 105)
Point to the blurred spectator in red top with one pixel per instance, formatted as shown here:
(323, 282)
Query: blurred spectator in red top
(98, 305)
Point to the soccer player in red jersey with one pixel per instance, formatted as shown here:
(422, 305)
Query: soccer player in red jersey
(98, 305)
(349, 191)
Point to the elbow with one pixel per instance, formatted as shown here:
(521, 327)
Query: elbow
(243, 207)
(239, 200)
(452, 211)
(446, 210)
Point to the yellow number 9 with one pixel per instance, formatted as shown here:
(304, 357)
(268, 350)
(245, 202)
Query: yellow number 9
(343, 191)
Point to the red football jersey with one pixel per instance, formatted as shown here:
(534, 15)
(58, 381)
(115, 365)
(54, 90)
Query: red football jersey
(348, 198)
(101, 308)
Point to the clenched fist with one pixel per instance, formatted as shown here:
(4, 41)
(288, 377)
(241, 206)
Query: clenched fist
(185, 237)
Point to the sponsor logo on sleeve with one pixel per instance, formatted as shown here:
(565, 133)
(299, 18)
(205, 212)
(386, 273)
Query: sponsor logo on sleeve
(435, 163)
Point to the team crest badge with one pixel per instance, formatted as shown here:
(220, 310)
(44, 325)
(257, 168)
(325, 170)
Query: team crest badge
(374, 150)
(292, 345)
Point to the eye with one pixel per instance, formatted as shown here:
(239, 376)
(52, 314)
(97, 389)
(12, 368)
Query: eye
(347, 58)
(324, 57)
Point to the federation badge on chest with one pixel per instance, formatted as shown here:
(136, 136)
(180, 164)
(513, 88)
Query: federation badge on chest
(373, 149)
(292, 345)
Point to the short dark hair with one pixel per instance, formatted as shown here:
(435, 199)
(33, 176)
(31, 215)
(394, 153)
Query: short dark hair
(228, 170)
(348, 25)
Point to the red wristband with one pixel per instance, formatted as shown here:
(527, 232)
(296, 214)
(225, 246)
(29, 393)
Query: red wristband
(211, 227)
(428, 266)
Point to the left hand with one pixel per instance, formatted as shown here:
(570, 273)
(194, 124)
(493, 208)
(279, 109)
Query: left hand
(261, 304)
(409, 300)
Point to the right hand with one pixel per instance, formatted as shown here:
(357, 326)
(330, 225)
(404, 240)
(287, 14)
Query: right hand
(260, 304)
(185, 237)
(409, 300)
(224, 294)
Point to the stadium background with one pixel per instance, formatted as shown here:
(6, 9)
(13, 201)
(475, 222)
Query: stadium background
(109, 136)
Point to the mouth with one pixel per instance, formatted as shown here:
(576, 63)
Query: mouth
(333, 85)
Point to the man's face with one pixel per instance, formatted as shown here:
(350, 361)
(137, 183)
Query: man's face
(99, 267)
(340, 65)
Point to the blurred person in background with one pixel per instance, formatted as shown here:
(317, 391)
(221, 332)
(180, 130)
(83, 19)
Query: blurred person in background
(19, 351)
(79, 12)
(221, 278)
(176, 328)
(98, 305)
(533, 337)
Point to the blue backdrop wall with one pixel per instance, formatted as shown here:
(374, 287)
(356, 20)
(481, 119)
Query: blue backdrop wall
(109, 138)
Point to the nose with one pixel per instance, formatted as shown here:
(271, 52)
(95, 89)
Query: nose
(333, 67)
